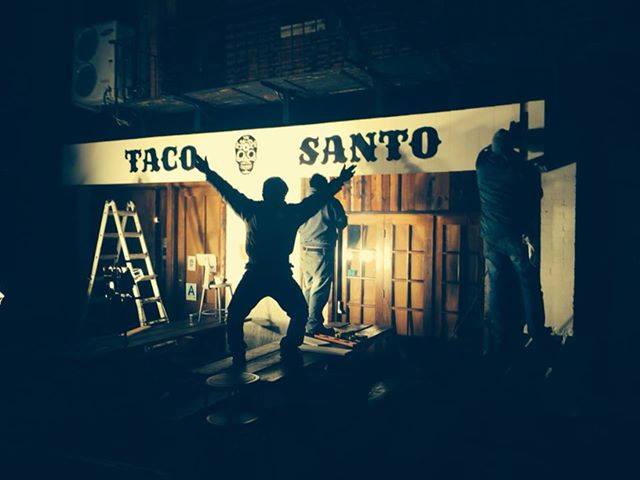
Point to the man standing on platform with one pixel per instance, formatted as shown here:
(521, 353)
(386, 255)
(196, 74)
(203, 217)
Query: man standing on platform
(318, 237)
(510, 193)
(272, 225)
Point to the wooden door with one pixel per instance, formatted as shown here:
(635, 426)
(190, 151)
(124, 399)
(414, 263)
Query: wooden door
(459, 273)
(362, 269)
(200, 227)
(408, 273)
(387, 271)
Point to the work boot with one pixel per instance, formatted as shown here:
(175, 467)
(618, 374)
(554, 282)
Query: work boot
(239, 360)
(291, 357)
(321, 329)
(288, 348)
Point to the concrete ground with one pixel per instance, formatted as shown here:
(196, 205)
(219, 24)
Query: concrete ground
(415, 409)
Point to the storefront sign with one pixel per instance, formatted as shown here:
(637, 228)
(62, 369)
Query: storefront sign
(433, 142)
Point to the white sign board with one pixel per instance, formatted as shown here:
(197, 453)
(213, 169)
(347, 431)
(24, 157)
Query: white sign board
(191, 292)
(431, 142)
(191, 263)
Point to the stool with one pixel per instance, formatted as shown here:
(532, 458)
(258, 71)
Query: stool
(219, 289)
(232, 382)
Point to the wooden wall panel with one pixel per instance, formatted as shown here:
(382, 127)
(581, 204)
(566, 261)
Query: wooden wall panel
(168, 211)
(386, 193)
(201, 218)
(367, 193)
(410, 193)
(394, 193)
(356, 194)
(346, 197)
(432, 191)
(421, 186)
(406, 192)
(376, 193)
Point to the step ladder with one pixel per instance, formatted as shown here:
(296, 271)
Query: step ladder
(141, 274)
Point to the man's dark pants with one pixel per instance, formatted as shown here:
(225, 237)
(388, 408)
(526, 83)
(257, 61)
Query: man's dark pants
(317, 271)
(257, 284)
(506, 258)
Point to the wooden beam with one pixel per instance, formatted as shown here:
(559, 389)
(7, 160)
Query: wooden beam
(257, 97)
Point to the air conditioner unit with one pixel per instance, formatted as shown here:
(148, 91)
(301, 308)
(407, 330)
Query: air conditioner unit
(100, 58)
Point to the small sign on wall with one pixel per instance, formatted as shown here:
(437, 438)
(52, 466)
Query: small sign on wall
(191, 263)
(191, 292)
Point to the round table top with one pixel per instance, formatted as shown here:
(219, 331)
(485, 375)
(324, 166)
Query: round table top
(232, 379)
(230, 417)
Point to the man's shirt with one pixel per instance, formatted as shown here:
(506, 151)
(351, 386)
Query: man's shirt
(272, 229)
(510, 194)
(321, 230)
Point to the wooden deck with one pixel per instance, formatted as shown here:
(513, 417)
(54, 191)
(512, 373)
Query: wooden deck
(149, 337)
(261, 359)
(266, 362)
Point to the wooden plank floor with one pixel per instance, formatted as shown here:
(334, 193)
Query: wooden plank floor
(149, 336)
(256, 362)
(266, 362)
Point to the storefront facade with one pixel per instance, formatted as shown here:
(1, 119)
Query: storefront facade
(410, 256)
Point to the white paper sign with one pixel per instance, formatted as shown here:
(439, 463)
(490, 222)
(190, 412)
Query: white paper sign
(191, 263)
(431, 142)
(191, 292)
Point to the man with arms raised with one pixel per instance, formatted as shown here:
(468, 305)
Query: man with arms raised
(272, 225)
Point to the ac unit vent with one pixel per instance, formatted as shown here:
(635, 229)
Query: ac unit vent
(85, 80)
(87, 45)
(99, 65)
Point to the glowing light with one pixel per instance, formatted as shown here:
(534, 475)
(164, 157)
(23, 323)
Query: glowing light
(367, 255)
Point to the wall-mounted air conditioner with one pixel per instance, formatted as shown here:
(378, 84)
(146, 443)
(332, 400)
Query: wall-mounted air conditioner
(101, 55)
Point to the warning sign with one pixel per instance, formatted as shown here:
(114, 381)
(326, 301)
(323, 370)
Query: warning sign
(192, 293)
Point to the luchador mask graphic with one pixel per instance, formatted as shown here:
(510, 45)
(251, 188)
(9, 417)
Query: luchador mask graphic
(246, 153)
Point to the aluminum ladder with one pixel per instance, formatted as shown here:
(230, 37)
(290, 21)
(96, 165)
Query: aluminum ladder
(142, 274)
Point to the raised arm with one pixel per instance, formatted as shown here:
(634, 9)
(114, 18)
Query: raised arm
(339, 214)
(308, 207)
(238, 201)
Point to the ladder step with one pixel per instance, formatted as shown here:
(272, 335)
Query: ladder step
(126, 235)
(126, 213)
(138, 256)
(157, 320)
(149, 300)
(146, 278)
(107, 257)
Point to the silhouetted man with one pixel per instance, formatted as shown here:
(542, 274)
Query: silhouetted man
(318, 238)
(272, 225)
(510, 194)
